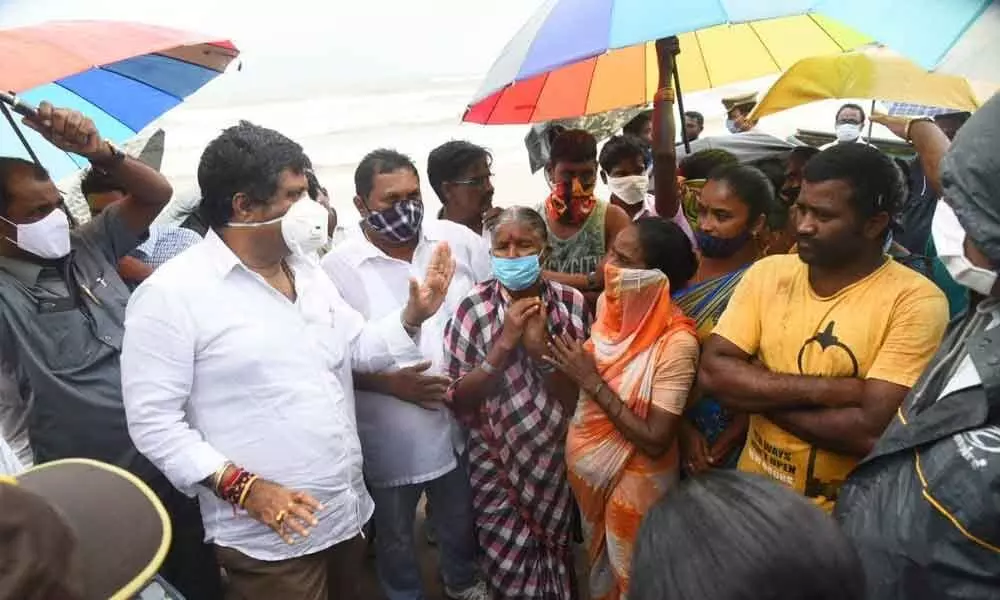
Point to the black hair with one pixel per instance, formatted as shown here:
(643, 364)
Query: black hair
(379, 162)
(451, 160)
(728, 535)
(618, 149)
(574, 146)
(99, 182)
(11, 166)
(697, 116)
(856, 107)
(773, 169)
(315, 187)
(875, 180)
(667, 248)
(700, 164)
(638, 123)
(247, 159)
(803, 152)
(750, 185)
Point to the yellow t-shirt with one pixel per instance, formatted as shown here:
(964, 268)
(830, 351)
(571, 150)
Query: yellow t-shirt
(886, 326)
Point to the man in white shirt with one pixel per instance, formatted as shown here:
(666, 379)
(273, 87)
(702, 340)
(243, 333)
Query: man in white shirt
(408, 436)
(237, 374)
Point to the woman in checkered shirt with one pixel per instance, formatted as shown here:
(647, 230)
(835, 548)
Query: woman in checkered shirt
(517, 408)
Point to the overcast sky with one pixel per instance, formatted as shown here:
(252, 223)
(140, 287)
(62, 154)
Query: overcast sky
(351, 41)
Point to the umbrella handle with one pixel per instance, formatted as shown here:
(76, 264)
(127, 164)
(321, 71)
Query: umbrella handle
(13, 124)
(20, 106)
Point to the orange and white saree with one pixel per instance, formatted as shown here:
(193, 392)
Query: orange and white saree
(646, 351)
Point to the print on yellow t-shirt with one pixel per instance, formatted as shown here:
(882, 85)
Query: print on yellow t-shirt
(886, 326)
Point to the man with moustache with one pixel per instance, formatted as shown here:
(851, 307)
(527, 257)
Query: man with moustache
(821, 347)
(459, 173)
(922, 508)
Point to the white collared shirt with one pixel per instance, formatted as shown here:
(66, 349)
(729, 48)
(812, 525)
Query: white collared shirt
(218, 365)
(403, 443)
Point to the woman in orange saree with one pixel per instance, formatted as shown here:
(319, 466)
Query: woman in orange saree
(634, 374)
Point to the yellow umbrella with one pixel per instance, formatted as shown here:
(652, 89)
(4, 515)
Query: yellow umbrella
(875, 73)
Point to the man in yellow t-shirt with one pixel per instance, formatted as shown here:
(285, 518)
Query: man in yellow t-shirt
(822, 347)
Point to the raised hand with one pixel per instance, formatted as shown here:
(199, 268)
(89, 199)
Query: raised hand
(536, 334)
(69, 130)
(285, 511)
(516, 318)
(426, 298)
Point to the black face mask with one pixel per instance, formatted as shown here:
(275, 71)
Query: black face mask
(715, 247)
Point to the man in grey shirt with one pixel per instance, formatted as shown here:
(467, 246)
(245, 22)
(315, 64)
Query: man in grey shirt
(62, 308)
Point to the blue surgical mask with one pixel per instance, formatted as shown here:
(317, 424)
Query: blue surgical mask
(519, 273)
(731, 126)
(716, 247)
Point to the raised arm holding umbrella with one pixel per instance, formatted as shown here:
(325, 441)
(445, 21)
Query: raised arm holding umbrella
(64, 302)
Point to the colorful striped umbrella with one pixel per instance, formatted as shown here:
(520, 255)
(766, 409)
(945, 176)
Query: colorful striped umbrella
(121, 75)
(710, 57)
(576, 57)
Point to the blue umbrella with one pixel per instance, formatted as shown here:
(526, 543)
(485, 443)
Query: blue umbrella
(121, 75)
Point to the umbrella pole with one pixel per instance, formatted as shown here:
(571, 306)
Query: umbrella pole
(870, 122)
(680, 109)
(17, 131)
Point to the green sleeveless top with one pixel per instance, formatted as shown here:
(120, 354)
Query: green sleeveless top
(580, 253)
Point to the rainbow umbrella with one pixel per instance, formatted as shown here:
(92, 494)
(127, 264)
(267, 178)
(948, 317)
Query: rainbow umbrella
(121, 75)
(578, 57)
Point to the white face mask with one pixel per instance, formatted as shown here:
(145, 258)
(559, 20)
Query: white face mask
(46, 238)
(848, 132)
(731, 126)
(304, 227)
(631, 189)
(949, 241)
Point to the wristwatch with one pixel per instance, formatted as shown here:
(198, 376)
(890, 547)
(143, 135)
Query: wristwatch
(117, 158)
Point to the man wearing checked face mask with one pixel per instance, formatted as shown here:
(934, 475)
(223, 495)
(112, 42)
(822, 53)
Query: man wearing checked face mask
(412, 445)
(237, 374)
(936, 468)
(62, 325)
(581, 227)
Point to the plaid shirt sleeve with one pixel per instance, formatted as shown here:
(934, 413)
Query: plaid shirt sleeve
(462, 335)
(574, 318)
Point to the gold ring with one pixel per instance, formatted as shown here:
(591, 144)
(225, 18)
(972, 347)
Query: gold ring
(280, 517)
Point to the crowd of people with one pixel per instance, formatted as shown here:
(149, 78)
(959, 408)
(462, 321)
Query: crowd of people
(713, 385)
